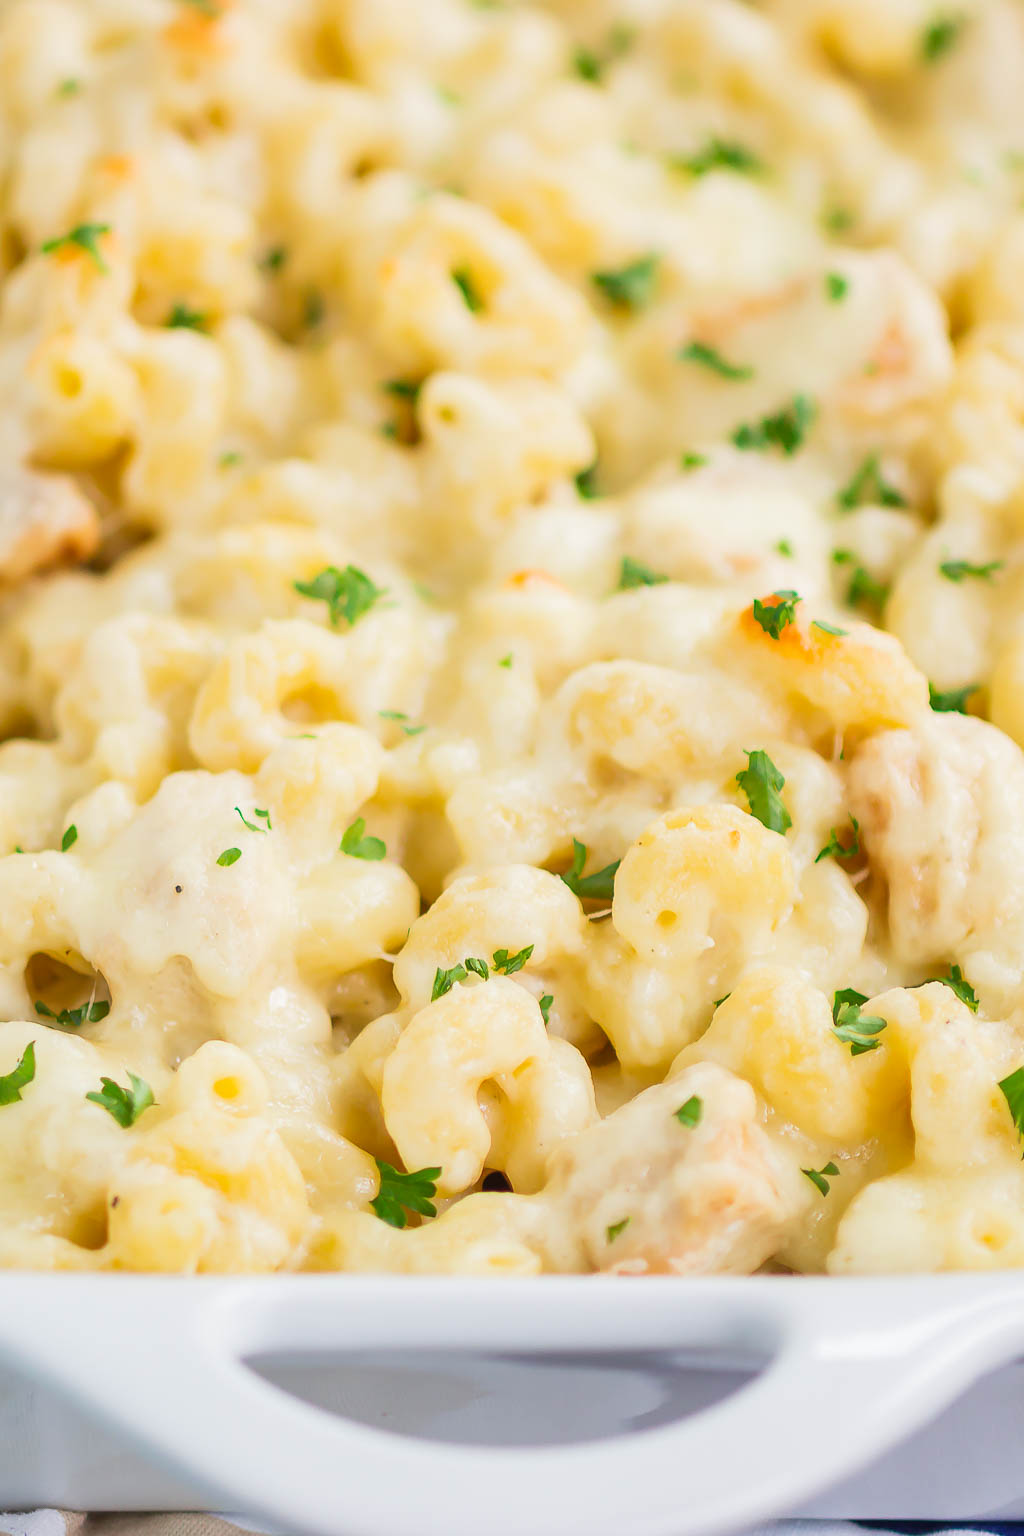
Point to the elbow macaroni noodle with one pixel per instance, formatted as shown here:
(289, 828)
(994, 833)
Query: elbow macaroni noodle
(512, 635)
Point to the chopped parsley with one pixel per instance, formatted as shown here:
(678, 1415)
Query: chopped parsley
(958, 570)
(819, 1177)
(506, 964)
(253, 827)
(587, 65)
(761, 782)
(86, 238)
(229, 856)
(691, 1113)
(858, 1030)
(402, 1192)
(586, 483)
(72, 1018)
(403, 389)
(837, 220)
(359, 847)
(348, 594)
(23, 1074)
(869, 487)
(69, 87)
(313, 310)
(616, 1229)
(274, 259)
(599, 886)
(834, 849)
(634, 574)
(786, 430)
(181, 318)
(229, 459)
(719, 155)
(463, 280)
(629, 287)
(402, 719)
(940, 36)
(836, 287)
(545, 1005)
(958, 983)
(953, 701)
(828, 629)
(693, 460)
(863, 588)
(1012, 1089)
(774, 617)
(125, 1104)
(708, 357)
(69, 839)
(506, 661)
(783, 547)
(445, 979)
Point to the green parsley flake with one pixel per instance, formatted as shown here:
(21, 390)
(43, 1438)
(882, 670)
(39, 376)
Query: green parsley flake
(229, 459)
(629, 287)
(834, 849)
(86, 238)
(786, 430)
(401, 718)
(828, 629)
(837, 220)
(616, 1229)
(313, 309)
(865, 590)
(506, 964)
(761, 782)
(784, 547)
(463, 280)
(599, 886)
(719, 155)
(506, 661)
(20, 1077)
(359, 847)
(73, 1018)
(274, 259)
(1012, 1089)
(70, 87)
(774, 617)
(181, 318)
(253, 827)
(403, 389)
(634, 574)
(819, 1177)
(586, 483)
(348, 594)
(869, 487)
(856, 1029)
(124, 1104)
(545, 1005)
(693, 460)
(444, 980)
(587, 65)
(691, 1113)
(402, 1192)
(953, 701)
(836, 287)
(69, 839)
(958, 983)
(958, 570)
(229, 856)
(707, 357)
(940, 36)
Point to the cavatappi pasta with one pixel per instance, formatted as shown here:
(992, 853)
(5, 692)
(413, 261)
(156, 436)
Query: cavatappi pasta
(530, 777)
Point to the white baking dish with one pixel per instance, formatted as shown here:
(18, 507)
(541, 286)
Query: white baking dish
(136, 1392)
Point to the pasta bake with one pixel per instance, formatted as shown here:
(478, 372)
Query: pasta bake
(512, 635)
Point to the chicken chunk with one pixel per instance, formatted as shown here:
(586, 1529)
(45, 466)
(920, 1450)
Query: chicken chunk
(681, 1180)
(44, 520)
(940, 811)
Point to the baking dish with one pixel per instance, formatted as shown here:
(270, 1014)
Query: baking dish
(136, 1392)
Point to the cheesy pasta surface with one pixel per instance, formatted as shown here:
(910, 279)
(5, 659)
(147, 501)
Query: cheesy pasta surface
(512, 635)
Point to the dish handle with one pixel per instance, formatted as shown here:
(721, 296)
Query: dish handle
(165, 1362)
